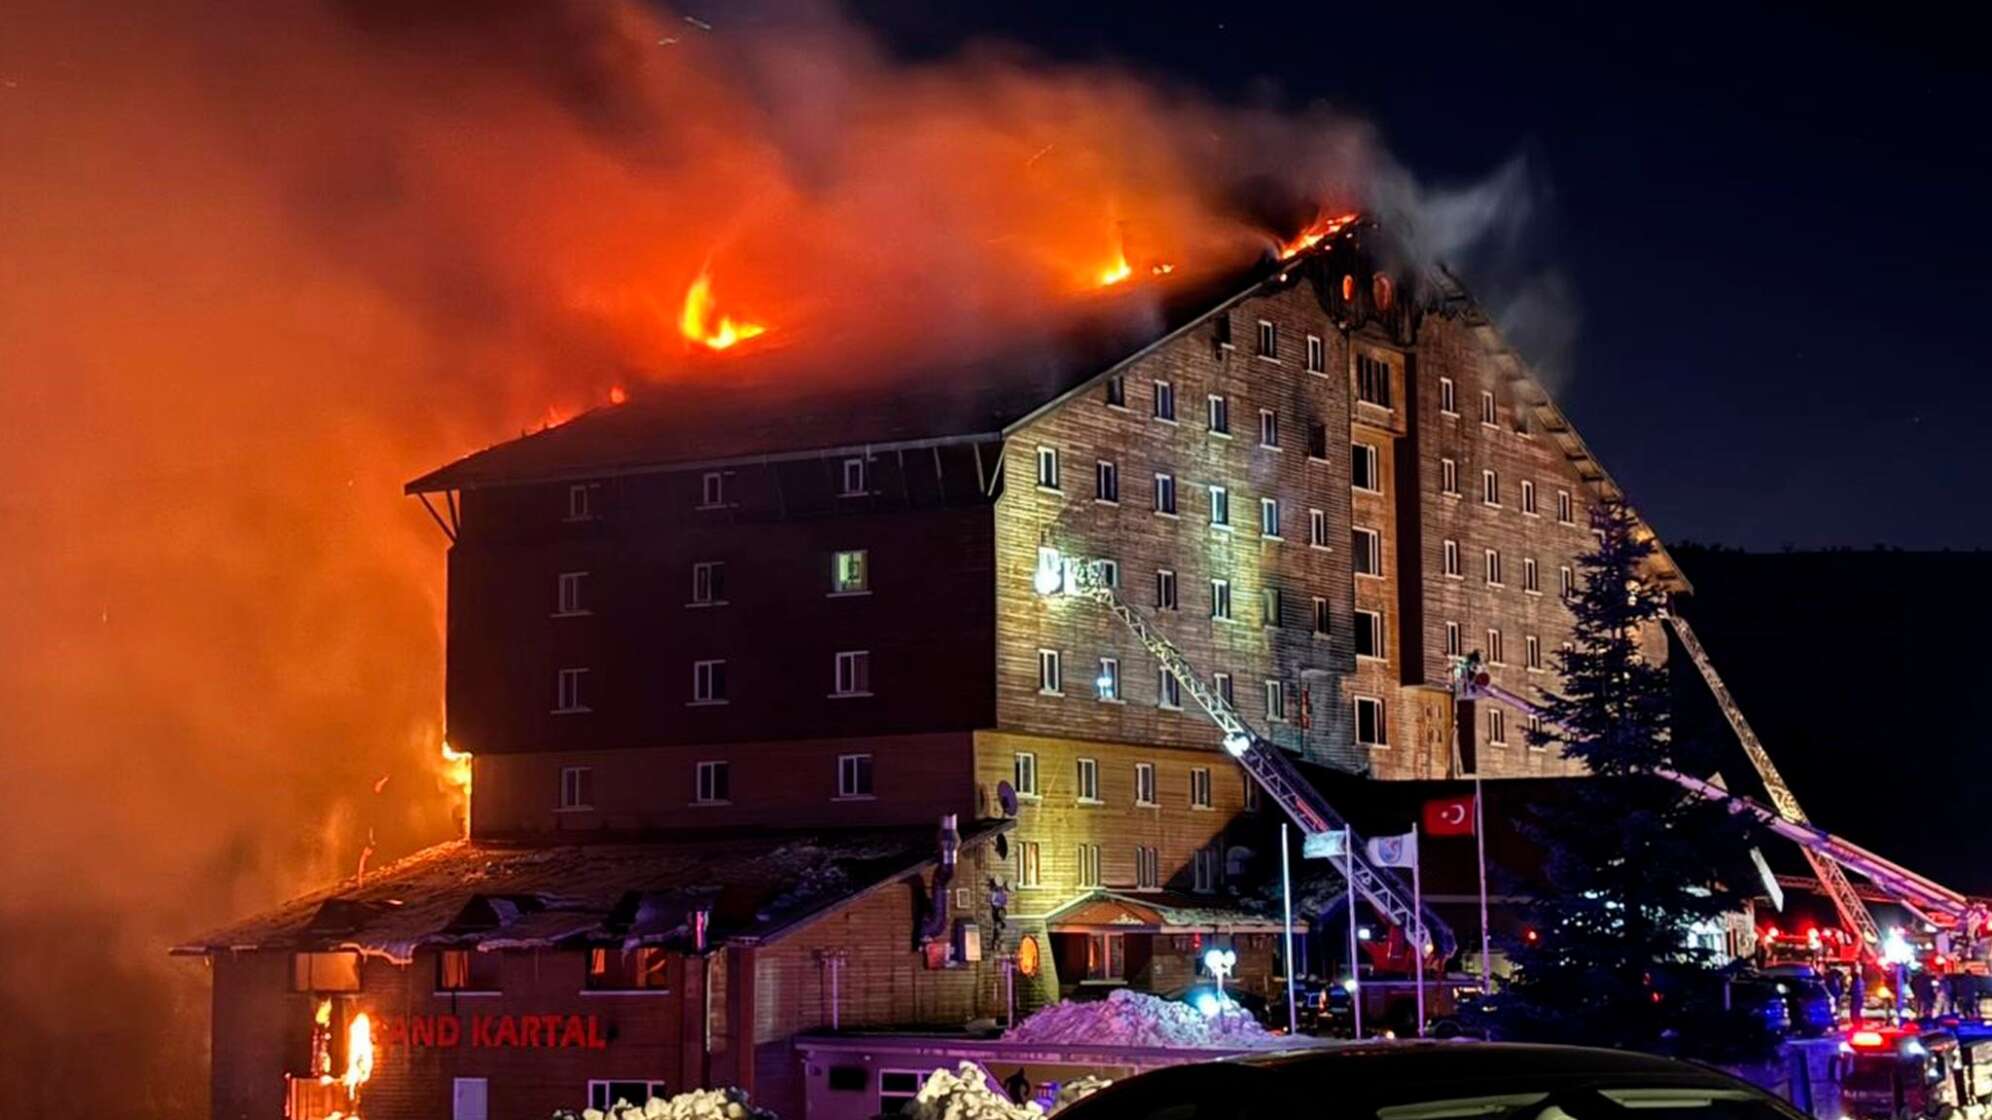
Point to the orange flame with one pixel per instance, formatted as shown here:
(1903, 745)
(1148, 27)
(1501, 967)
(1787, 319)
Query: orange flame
(457, 774)
(359, 1055)
(1321, 230)
(618, 394)
(699, 323)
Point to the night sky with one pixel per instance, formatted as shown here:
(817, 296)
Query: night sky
(1773, 223)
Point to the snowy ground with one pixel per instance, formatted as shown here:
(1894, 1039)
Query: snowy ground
(1128, 1018)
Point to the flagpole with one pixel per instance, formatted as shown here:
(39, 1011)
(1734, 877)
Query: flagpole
(1418, 913)
(1286, 893)
(1355, 969)
(1480, 842)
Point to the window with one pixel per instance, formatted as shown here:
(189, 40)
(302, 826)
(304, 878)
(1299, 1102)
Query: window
(1144, 783)
(1220, 507)
(568, 692)
(603, 1095)
(1494, 651)
(1367, 546)
(1165, 590)
(1448, 477)
(708, 682)
(1528, 497)
(1203, 873)
(1117, 391)
(1025, 774)
(568, 594)
(1269, 428)
(715, 783)
(1373, 381)
(1047, 459)
(1317, 528)
(708, 582)
(325, 972)
(1369, 634)
(1322, 617)
(577, 787)
(1050, 681)
(1566, 581)
(1317, 355)
(1452, 559)
(1030, 866)
(1497, 727)
(1530, 582)
(1089, 865)
(1370, 731)
(1168, 690)
(1107, 684)
(1490, 488)
(1272, 607)
(1452, 639)
(581, 502)
(1165, 401)
(1220, 599)
(1275, 702)
(1106, 956)
(1222, 329)
(1491, 566)
(1269, 340)
(1269, 518)
(854, 478)
(851, 675)
(1363, 473)
(1317, 441)
(854, 775)
(1220, 415)
(645, 968)
(850, 572)
(1106, 482)
(1487, 409)
(1088, 789)
(1222, 682)
(1532, 652)
(1535, 737)
(1563, 507)
(1110, 573)
(467, 970)
(1448, 400)
(1252, 803)
(1147, 868)
(712, 490)
(1165, 494)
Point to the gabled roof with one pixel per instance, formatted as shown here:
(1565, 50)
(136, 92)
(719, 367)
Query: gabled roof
(752, 887)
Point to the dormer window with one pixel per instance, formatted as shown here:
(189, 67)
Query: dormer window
(854, 484)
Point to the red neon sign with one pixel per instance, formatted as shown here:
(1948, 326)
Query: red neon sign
(551, 1031)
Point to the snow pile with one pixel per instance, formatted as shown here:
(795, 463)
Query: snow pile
(699, 1104)
(1128, 1018)
(966, 1094)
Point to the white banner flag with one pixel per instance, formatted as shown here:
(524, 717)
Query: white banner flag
(1324, 845)
(1394, 851)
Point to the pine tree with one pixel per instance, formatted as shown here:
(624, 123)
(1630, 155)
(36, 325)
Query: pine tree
(1632, 861)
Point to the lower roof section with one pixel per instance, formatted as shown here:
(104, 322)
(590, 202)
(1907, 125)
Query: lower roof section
(1105, 911)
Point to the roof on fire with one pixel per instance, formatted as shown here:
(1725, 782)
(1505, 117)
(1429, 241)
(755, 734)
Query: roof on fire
(754, 887)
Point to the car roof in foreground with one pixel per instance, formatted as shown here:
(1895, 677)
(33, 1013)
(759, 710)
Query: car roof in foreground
(1476, 1061)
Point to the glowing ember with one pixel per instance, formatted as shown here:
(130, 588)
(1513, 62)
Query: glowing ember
(321, 1041)
(1163, 269)
(699, 323)
(1321, 230)
(618, 394)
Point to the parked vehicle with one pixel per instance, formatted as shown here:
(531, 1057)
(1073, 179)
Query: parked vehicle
(1435, 1081)
(1808, 1003)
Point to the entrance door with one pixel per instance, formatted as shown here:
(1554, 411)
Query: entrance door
(471, 1095)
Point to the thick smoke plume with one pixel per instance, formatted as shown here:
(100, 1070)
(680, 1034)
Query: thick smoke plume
(262, 263)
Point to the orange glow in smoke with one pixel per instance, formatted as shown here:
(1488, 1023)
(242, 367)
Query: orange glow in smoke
(1321, 230)
(1116, 272)
(700, 323)
(618, 395)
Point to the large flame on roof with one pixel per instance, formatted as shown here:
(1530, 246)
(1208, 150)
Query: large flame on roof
(1318, 231)
(700, 321)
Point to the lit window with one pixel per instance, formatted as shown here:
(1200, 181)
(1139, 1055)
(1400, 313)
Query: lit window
(1089, 780)
(854, 478)
(712, 490)
(1487, 415)
(1025, 774)
(1563, 507)
(1106, 482)
(577, 787)
(1532, 651)
(1448, 403)
(1220, 415)
(1165, 401)
(708, 682)
(1220, 507)
(850, 571)
(568, 594)
(1369, 634)
(1529, 581)
(709, 582)
(645, 968)
(1144, 783)
(1317, 528)
(1107, 684)
(1491, 567)
(1363, 473)
(581, 502)
(1269, 428)
(1452, 559)
(1047, 467)
(1165, 494)
(1317, 355)
(1373, 381)
(1030, 867)
(467, 970)
(1275, 702)
(1165, 590)
(1448, 477)
(1497, 727)
(1494, 651)
(1147, 869)
(1220, 598)
(1168, 690)
(715, 783)
(852, 673)
(1490, 488)
(1269, 518)
(1367, 549)
(854, 775)
(1049, 679)
(1322, 617)
(1528, 497)
(1370, 731)
(1272, 607)
(1089, 865)
(1452, 639)
(569, 694)
(1117, 391)
(1199, 787)
(1269, 340)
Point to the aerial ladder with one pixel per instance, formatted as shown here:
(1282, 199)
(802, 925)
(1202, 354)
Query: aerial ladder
(1830, 856)
(1263, 760)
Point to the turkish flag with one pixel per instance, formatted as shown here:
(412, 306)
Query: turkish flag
(1449, 816)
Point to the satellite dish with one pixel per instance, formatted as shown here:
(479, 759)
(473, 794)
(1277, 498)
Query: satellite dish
(1006, 796)
(1002, 846)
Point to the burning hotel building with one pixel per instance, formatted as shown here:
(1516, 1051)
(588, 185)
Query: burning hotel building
(773, 735)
